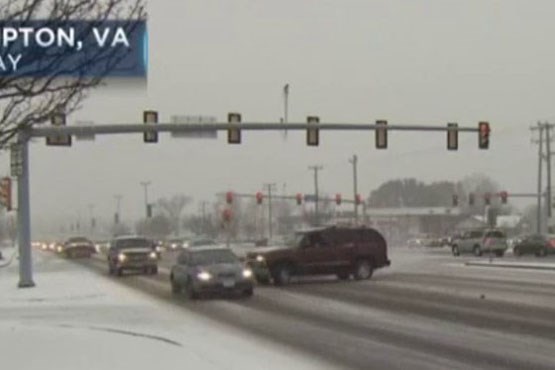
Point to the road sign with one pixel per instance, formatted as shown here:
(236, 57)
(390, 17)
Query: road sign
(195, 120)
(58, 119)
(16, 160)
(84, 137)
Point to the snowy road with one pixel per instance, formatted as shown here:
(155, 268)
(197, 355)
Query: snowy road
(427, 311)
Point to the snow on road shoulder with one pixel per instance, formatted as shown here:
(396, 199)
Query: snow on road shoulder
(75, 318)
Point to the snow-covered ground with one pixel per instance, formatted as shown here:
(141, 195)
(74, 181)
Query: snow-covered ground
(76, 319)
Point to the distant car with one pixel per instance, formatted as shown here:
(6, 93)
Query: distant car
(177, 244)
(76, 247)
(132, 253)
(478, 242)
(341, 251)
(538, 244)
(210, 270)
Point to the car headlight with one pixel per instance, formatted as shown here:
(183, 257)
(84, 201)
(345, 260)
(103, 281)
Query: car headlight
(204, 276)
(247, 274)
(153, 255)
(186, 245)
(59, 249)
(122, 257)
(158, 249)
(260, 258)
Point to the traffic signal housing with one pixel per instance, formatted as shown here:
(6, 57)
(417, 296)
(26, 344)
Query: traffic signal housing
(338, 199)
(452, 136)
(233, 131)
(150, 117)
(299, 199)
(229, 197)
(259, 198)
(6, 192)
(487, 199)
(381, 134)
(483, 135)
(504, 195)
(312, 133)
(358, 199)
(471, 199)
(455, 200)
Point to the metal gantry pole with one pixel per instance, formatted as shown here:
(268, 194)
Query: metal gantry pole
(24, 216)
(316, 195)
(270, 187)
(146, 184)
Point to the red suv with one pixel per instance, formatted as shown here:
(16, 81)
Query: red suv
(342, 251)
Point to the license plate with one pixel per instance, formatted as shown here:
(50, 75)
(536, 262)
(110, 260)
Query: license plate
(229, 283)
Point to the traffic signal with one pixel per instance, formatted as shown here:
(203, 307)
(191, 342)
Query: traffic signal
(149, 210)
(229, 197)
(93, 223)
(226, 215)
(312, 133)
(487, 199)
(455, 200)
(358, 199)
(299, 198)
(483, 135)
(471, 199)
(259, 198)
(338, 199)
(6, 193)
(150, 117)
(452, 136)
(233, 131)
(504, 195)
(58, 118)
(381, 134)
(116, 218)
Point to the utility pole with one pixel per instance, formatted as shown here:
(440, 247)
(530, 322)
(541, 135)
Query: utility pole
(316, 215)
(91, 216)
(118, 204)
(146, 184)
(269, 188)
(354, 162)
(203, 206)
(540, 159)
(548, 165)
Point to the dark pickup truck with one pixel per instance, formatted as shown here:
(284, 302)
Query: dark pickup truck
(342, 251)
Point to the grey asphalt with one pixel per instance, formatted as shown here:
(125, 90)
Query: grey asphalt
(427, 311)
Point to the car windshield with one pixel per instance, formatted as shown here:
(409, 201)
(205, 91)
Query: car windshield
(202, 242)
(212, 257)
(78, 240)
(133, 243)
(295, 240)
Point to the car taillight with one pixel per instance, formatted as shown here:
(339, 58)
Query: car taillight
(552, 243)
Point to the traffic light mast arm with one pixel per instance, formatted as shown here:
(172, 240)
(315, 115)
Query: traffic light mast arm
(174, 127)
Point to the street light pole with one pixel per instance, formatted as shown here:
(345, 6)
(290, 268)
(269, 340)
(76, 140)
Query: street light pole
(270, 187)
(145, 185)
(316, 215)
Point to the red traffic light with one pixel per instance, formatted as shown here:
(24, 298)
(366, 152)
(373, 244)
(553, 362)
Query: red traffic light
(229, 197)
(259, 198)
(483, 135)
(338, 199)
(504, 195)
(358, 199)
(299, 198)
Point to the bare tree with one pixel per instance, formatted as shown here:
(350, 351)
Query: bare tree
(26, 101)
(173, 209)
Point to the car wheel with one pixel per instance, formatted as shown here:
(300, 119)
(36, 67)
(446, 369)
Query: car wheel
(363, 270)
(154, 270)
(541, 253)
(343, 276)
(517, 252)
(119, 271)
(477, 251)
(110, 270)
(499, 253)
(455, 251)
(248, 292)
(190, 291)
(176, 288)
(282, 275)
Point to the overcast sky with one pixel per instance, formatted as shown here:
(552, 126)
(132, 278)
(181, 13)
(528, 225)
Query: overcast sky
(410, 62)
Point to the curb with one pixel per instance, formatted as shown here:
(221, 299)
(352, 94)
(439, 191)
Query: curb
(544, 267)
